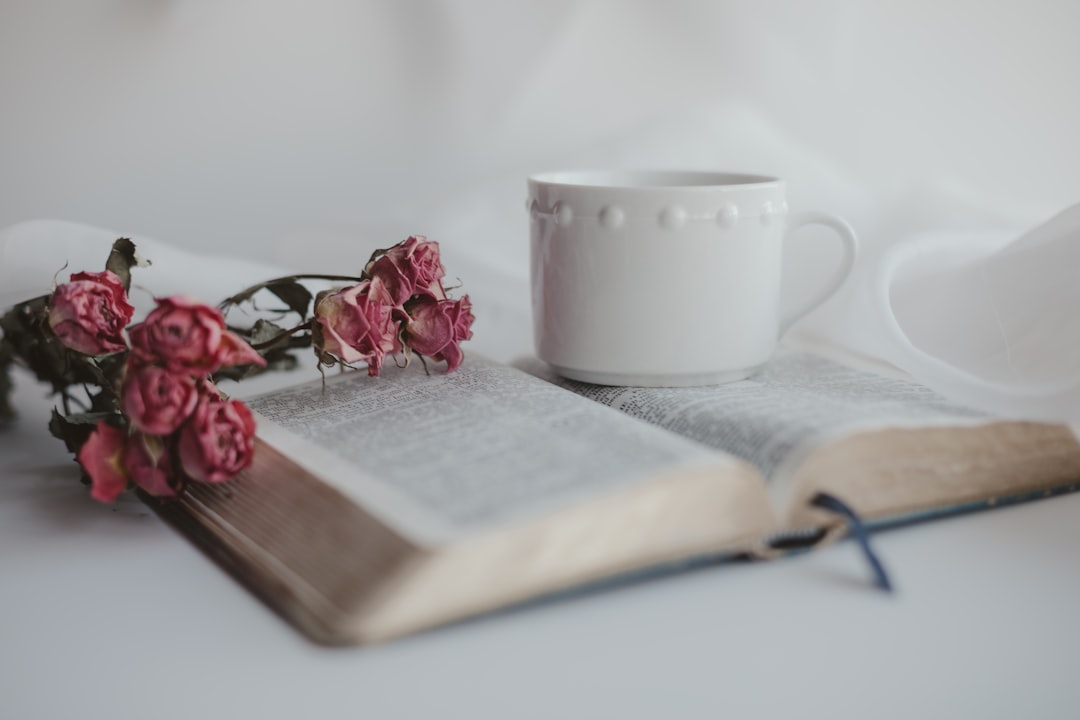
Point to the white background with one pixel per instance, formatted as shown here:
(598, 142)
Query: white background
(309, 133)
(235, 126)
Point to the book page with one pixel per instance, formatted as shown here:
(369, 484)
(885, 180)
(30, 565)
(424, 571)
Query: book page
(793, 404)
(444, 455)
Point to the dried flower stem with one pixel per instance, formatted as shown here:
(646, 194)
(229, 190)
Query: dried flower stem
(277, 338)
(248, 292)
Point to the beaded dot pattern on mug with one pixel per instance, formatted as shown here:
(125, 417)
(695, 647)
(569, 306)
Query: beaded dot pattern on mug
(670, 217)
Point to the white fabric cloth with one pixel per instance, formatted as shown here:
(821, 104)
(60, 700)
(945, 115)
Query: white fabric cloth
(985, 319)
(34, 254)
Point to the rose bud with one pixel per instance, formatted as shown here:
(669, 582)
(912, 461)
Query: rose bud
(351, 325)
(101, 457)
(436, 327)
(149, 464)
(412, 266)
(185, 335)
(156, 400)
(90, 313)
(218, 441)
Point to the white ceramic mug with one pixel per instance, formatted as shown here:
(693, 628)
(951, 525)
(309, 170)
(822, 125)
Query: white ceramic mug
(663, 278)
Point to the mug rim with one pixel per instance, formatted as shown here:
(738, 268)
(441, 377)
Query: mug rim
(653, 180)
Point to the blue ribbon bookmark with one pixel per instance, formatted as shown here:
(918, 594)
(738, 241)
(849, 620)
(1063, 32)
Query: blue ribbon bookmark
(858, 531)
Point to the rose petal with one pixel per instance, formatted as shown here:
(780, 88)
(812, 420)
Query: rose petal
(234, 350)
(430, 327)
(394, 286)
(101, 458)
(453, 356)
(148, 463)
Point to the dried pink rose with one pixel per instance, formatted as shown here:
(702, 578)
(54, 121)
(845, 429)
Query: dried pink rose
(149, 465)
(101, 456)
(410, 267)
(437, 327)
(89, 313)
(156, 399)
(185, 335)
(351, 325)
(218, 441)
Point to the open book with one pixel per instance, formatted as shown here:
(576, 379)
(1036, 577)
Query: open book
(382, 506)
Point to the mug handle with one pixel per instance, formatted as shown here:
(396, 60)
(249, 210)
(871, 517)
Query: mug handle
(850, 247)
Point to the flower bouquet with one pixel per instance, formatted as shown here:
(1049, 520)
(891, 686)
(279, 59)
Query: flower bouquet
(138, 403)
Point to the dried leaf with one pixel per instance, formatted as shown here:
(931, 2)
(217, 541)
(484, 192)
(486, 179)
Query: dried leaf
(104, 401)
(7, 413)
(277, 359)
(109, 369)
(122, 258)
(297, 301)
(293, 294)
(28, 337)
(264, 331)
(76, 428)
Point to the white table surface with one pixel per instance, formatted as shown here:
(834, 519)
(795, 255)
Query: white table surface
(107, 613)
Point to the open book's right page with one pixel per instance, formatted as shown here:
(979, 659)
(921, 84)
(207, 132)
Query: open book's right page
(800, 404)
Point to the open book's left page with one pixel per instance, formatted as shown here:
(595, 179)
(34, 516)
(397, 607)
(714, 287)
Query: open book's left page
(445, 455)
(372, 499)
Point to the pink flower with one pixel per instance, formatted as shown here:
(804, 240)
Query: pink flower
(437, 327)
(90, 313)
(410, 267)
(149, 464)
(101, 457)
(156, 400)
(218, 441)
(351, 325)
(185, 335)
